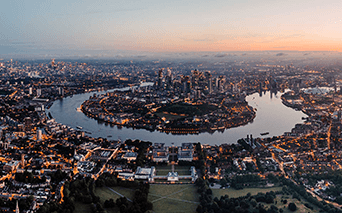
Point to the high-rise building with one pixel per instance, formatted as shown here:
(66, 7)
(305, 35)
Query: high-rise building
(187, 86)
(168, 79)
(160, 79)
(220, 83)
(23, 160)
(209, 81)
(195, 77)
(168, 72)
(27, 122)
(39, 135)
(61, 91)
(30, 91)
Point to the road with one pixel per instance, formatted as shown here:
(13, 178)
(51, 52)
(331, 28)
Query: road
(118, 193)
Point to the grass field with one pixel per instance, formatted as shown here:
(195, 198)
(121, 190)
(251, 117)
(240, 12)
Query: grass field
(105, 194)
(82, 208)
(184, 198)
(232, 193)
(165, 198)
(173, 198)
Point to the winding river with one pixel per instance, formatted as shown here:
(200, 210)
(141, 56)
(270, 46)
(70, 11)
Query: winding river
(272, 116)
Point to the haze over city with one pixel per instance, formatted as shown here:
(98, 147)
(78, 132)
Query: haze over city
(38, 29)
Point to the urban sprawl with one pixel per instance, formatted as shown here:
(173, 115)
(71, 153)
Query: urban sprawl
(48, 166)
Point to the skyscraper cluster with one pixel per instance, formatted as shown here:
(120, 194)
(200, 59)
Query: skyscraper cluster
(197, 83)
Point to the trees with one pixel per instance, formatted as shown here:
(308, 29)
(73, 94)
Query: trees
(292, 207)
(238, 181)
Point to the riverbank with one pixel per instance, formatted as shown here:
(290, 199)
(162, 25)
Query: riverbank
(271, 116)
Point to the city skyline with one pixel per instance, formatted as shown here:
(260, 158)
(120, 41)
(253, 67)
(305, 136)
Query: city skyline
(116, 27)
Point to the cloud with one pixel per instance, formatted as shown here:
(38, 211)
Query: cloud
(93, 12)
(221, 55)
(22, 43)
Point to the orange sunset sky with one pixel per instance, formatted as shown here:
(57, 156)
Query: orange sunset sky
(39, 27)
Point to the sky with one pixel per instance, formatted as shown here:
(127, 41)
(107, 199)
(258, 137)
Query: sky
(41, 27)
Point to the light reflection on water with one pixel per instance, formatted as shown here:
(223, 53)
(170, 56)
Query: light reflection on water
(272, 116)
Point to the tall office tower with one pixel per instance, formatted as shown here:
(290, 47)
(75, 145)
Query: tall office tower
(27, 123)
(61, 91)
(186, 84)
(39, 92)
(194, 77)
(39, 135)
(160, 78)
(209, 81)
(216, 83)
(23, 160)
(30, 91)
(220, 83)
(168, 72)
(168, 79)
(11, 64)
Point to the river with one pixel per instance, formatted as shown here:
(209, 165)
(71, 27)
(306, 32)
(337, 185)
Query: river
(271, 116)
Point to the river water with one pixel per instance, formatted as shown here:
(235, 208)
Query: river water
(271, 116)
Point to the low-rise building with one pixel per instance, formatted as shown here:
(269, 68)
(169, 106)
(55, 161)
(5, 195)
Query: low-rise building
(145, 174)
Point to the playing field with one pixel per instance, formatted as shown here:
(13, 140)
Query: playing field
(165, 198)
(184, 198)
(173, 198)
